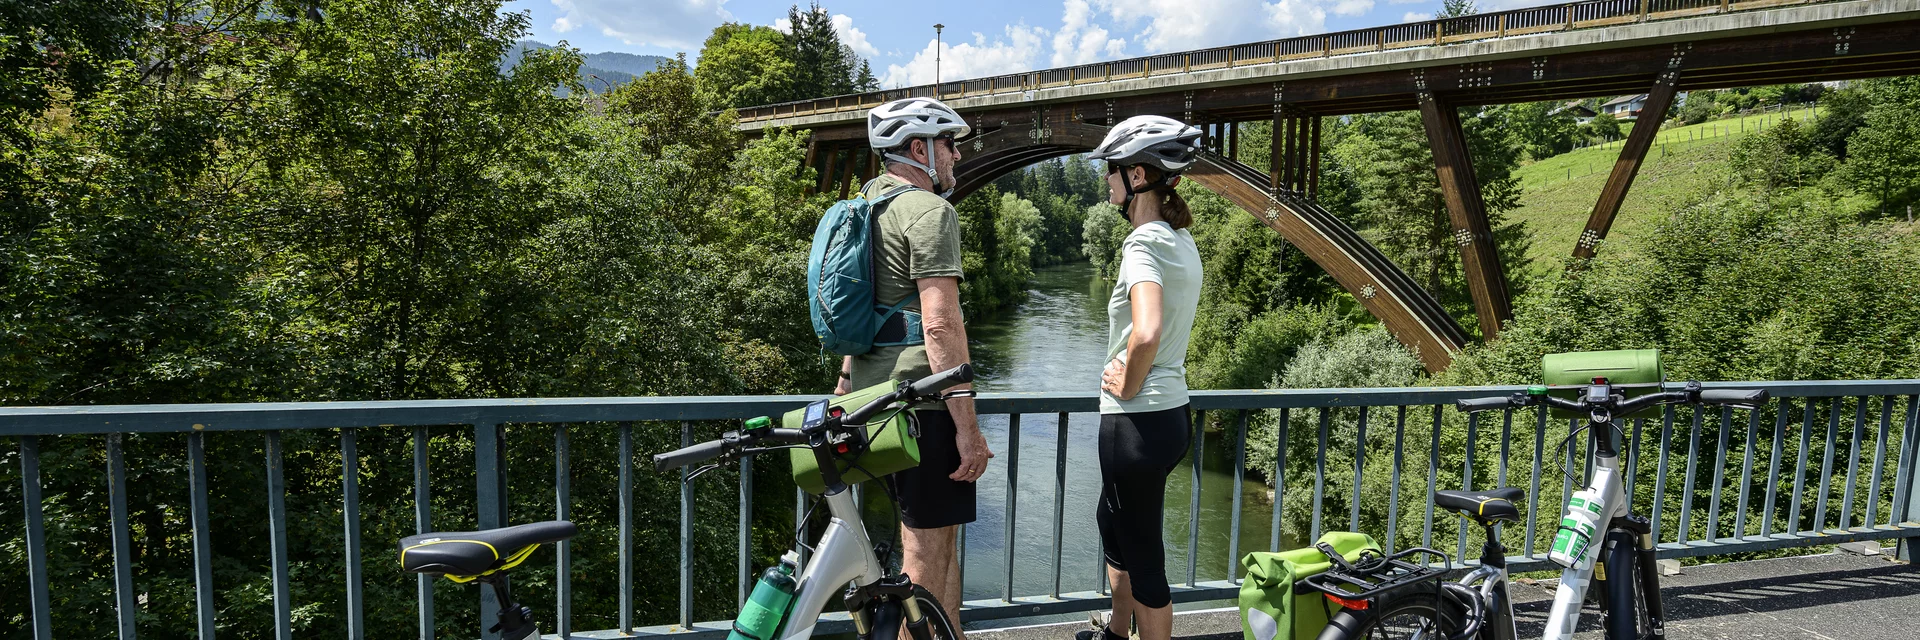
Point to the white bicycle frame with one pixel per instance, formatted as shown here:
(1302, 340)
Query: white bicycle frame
(1564, 617)
(843, 556)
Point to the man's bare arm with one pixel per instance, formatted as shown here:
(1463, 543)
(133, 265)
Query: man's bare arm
(946, 336)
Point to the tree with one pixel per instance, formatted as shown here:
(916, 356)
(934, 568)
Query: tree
(1783, 157)
(1883, 161)
(823, 66)
(864, 81)
(1603, 127)
(1455, 9)
(745, 65)
(1540, 130)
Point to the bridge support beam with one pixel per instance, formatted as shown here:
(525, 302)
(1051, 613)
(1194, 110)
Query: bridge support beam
(1486, 280)
(1408, 311)
(1632, 153)
(1296, 152)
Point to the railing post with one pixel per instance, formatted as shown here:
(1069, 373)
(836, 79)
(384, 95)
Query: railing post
(489, 496)
(37, 539)
(204, 608)
(1911, 456)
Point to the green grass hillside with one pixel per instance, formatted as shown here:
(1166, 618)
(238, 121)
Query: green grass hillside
(1686, 163)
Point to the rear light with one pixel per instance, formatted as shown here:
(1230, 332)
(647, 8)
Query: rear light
(1350, 603)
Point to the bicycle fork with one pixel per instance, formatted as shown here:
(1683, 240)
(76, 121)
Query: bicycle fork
(877, 609)
(1648, 574)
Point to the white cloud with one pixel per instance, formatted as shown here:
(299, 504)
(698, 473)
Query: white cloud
(1352, 7)
(979, 59)
(1179, 25)
(1080, 41)
(1415, 16)
(1405, 1)
(679, 24)
(854, 38)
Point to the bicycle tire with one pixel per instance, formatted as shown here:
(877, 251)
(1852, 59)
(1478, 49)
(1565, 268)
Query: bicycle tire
(938, 626)
(1409, 616)
(1626, 602)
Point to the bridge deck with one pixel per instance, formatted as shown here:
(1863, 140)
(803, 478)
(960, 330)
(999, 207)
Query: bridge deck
(1838, 596)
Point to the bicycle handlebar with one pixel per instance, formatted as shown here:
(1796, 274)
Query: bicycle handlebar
(691, 455)
(1745, 398)
(1742, 398)
(920, 391)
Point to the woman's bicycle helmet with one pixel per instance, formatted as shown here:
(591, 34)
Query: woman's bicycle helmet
(1157, 141)
(1165, 143)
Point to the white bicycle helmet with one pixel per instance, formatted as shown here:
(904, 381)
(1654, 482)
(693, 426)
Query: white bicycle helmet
(1160, 142)
(890, 126)
(1165, 143)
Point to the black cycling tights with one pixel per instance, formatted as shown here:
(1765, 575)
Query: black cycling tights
(1137, 451)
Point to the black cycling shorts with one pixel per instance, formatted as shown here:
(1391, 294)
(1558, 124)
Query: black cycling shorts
(929, 499)
(1137, 452)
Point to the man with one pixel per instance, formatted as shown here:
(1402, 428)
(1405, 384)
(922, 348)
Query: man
(917, 250)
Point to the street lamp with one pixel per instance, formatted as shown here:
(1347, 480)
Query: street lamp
(936, 59)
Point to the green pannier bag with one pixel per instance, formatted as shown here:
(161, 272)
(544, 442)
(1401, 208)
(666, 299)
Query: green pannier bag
(1272, 608)
(892, 443)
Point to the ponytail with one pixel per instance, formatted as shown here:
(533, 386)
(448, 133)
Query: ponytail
(1173, 206)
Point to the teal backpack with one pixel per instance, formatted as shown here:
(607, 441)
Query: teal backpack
(847, 314)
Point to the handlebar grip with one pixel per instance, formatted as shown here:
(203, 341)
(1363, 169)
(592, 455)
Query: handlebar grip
(934, 384)
(1737, 397)
(1475, 405)
(691, 455)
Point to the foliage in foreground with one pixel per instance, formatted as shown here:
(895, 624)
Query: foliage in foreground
(249, 207)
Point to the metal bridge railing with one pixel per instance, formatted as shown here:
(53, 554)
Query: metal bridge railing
(1825, 462)
(1587, 14)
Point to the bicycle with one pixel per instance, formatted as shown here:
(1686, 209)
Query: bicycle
(1384, 599)
(878, 600)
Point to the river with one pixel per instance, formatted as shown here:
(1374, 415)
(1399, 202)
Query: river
(1056, 342)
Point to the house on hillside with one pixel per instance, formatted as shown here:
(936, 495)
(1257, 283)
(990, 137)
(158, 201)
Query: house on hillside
(1624, 107)
(1579, 112)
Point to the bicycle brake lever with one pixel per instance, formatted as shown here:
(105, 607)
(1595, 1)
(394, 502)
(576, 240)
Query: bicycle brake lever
(700, 472)
(963, 393)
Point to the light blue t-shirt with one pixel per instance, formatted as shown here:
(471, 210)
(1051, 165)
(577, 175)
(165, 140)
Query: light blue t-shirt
(1156, 252)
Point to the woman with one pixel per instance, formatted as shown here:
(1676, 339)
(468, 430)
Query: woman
(1143, 392)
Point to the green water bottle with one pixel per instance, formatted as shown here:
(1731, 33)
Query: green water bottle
(767, 606)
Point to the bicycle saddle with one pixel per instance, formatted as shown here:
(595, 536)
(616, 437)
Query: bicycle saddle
(469, 554)
(1496, 505)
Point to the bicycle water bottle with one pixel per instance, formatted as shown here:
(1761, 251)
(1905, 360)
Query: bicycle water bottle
(1577, 528)
(767, 607)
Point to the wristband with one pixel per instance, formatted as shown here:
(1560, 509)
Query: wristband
(846, 376)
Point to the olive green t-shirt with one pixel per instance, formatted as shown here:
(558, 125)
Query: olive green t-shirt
(918, 237)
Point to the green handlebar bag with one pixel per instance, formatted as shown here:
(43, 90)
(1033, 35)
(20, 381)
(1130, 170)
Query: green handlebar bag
(1271, 608)
(893, 444)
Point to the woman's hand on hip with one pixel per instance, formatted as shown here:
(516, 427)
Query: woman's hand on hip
(1113, 381)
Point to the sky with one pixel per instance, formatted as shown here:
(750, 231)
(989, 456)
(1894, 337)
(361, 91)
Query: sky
(982, 37)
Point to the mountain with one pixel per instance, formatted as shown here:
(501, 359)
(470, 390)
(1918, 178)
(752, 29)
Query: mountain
(613, 67)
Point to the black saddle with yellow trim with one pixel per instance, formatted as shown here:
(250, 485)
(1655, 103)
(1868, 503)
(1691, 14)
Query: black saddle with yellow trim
(465, 555)
(1494, 505)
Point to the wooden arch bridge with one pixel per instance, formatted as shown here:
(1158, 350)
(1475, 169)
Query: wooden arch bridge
(1557, 52)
